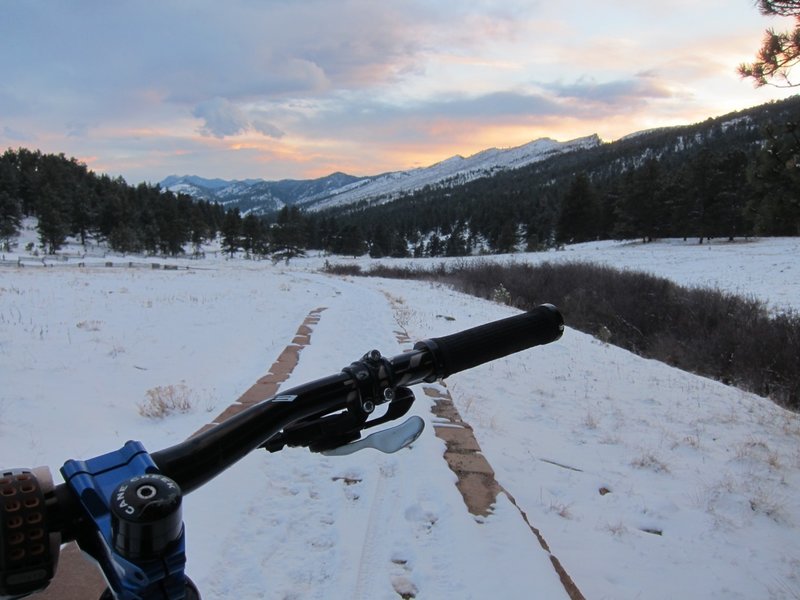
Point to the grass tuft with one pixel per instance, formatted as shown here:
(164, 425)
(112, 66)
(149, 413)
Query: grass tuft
(164, 400)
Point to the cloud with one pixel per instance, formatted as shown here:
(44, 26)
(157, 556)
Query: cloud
(354, 81)
(16, 136)
(266, 128)
(77, 130)
(620, 92)
(119, 64)
(501, 105)
(222, 118)
(423, 120)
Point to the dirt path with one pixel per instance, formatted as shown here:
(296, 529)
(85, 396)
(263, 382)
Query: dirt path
(267, 386)
(476, 480)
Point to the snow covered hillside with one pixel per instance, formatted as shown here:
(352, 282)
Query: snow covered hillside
(456, 170)
(645, 481)
(339, 189)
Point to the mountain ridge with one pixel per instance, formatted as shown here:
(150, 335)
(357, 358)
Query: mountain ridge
(340, 189)
(513, 172)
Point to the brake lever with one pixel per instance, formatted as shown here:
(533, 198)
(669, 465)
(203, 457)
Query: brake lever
(331, 431)
(387, 440)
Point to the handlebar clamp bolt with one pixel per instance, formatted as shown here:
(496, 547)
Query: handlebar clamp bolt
(145, 515)
(368, 406)
(145, 492)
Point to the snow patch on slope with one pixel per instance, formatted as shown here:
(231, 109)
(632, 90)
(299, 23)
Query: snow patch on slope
(453, 171)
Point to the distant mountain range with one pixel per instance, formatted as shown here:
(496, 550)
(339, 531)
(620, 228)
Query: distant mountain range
(339, 189)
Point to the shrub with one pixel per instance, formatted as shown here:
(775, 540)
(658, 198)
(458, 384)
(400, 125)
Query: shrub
(341, 269)
(500, 295)
(713, 333)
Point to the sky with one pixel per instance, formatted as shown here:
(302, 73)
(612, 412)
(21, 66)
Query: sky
(279, 89)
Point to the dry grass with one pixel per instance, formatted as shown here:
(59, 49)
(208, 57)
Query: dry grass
(617, 529)
(590, 421)
(768, 503)
(648, 460)
(165, 400)
(90, 325)
(562, 510)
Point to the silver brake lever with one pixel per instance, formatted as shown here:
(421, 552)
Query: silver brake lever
(387, 440)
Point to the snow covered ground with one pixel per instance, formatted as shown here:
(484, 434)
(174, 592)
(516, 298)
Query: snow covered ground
(768, 269)
(702, 480)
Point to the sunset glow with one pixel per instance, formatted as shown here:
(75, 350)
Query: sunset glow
(298, 90)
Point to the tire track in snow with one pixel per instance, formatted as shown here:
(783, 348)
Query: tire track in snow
(369, 580)
(371, 486)
(365, 570)
(476, 480)
(281, 369)
(264, 388)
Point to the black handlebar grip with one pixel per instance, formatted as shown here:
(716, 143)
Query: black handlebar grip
(472, 347)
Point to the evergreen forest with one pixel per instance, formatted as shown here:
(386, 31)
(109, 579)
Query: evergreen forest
(734, 176)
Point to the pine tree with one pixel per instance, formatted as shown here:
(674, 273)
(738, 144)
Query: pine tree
(507, 238)
(199, 230)
(289, 235)
(172, 223)
(456, 244)
(726, 212)
(434, 247)
(231, 231)
(702, 194)
(53, 224)
(10, 207)
(641, 208)
(579, 212)
(380, 242)
(780, 51)
(9, 218)
(349, 241)
(81, 209)
(253, 235)
(776, 179)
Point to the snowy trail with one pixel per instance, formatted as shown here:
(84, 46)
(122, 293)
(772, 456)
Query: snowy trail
(292, 497)
(715, 470)
(368, 525)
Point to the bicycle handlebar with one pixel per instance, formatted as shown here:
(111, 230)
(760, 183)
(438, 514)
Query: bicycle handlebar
(472, 347)
(199, 459)
(323, 414)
